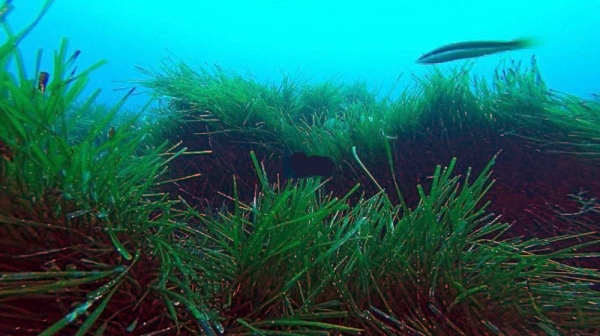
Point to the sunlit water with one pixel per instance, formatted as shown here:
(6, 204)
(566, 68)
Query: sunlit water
(374, 41)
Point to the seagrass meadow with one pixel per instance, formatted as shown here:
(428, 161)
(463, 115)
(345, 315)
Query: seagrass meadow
(538, 134)
(459, 206)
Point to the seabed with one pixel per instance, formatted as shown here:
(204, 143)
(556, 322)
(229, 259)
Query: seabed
(458, 206)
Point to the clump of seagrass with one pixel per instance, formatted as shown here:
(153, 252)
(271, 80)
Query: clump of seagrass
(84, 245)
(328, 118)
(297, 260)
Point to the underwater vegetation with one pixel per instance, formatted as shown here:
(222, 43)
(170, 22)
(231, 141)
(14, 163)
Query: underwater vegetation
(543, 134)
(103, 229)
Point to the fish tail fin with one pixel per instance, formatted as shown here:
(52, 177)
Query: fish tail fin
(525, 43)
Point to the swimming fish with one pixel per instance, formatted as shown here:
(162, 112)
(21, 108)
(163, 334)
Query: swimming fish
(460, 50)
(43, 81)
(300, 165)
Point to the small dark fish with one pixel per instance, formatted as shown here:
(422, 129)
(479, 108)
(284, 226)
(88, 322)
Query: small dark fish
(111, 133)
(43, 81)
(456, 51)
(5, 152)
(300, 165)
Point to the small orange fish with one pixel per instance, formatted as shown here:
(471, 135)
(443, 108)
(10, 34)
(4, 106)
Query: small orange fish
(43, 81)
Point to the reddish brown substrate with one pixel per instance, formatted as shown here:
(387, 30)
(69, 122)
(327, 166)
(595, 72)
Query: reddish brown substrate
(530, 190)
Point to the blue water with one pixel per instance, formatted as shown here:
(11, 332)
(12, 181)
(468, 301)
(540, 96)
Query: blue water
(374, 41)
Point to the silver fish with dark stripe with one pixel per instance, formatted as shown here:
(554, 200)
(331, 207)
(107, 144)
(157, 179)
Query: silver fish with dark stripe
(461, 50)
